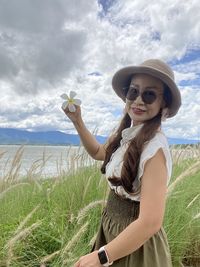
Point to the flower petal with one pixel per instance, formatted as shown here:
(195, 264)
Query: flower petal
(72, 94)
(77, 101)
(71, 108)
(64, 96)
(64, 105)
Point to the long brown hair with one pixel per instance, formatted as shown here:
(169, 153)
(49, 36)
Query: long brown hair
(132, 155)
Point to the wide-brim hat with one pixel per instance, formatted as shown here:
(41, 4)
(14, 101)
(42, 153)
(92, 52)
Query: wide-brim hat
(154, 67)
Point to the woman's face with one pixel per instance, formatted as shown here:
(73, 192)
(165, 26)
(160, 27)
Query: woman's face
(144, 98)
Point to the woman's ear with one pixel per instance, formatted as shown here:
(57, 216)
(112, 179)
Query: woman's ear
(163, 104)
(127, 104)
(165, 114)
(125, 110)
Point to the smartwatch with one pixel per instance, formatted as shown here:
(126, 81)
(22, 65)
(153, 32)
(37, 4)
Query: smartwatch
(103, 257)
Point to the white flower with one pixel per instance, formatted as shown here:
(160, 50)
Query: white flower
(70, 101)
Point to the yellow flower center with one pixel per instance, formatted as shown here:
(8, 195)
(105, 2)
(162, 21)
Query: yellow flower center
(71, 101)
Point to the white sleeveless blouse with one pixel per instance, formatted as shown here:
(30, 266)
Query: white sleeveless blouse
(114, 166)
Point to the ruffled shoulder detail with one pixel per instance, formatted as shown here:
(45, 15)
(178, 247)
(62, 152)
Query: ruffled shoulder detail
(129, 133)
(151, 148)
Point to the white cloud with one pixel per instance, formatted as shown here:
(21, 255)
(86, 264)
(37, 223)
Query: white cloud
(184, 76)
(187, 122)
(38, 45)
(49, 47)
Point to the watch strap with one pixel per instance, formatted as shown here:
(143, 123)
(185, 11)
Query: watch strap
(103, 257)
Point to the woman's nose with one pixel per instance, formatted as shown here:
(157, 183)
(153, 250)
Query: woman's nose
(138, 100)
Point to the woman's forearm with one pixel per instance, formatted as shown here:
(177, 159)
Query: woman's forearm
(130, 239)
(88, 140)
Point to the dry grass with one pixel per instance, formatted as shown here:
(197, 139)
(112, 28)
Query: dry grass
(11, 181)
(73, 242)
(194, 168)
(13, 173)
(17, 237)
(83, 212)
(181, 153)
(192, 201)
(12, 187)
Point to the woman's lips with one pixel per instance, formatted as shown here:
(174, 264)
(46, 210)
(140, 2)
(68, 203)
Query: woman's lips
(138, 111)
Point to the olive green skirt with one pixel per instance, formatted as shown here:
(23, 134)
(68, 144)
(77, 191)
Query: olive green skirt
(116, 216)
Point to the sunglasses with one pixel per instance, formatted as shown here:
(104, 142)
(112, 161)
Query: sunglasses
(148, 96)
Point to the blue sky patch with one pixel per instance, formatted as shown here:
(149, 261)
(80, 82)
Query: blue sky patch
(95, 73)
(106, 4)
(190, 55)
(190, 82)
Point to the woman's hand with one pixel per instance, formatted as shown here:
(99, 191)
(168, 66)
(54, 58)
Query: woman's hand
(89, 260)
(73, 116)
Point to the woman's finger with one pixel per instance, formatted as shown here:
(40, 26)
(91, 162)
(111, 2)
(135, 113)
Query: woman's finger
(77, 264)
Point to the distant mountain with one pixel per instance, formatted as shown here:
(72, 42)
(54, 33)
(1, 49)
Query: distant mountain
(9, 136)
(180, 141)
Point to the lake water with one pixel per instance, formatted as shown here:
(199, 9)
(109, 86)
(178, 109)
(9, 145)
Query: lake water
(46, 161)
(50, 161)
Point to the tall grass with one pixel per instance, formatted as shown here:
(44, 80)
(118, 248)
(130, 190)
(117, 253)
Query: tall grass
(52, 222)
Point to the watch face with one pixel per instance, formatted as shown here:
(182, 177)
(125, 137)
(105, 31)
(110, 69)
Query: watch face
(102, 257)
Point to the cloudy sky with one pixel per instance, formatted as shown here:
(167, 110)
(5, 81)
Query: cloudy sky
(50, 47)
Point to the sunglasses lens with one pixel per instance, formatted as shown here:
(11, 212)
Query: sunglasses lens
(132, 94)
(149, 96)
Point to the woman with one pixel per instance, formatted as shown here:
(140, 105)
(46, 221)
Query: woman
(137, 165)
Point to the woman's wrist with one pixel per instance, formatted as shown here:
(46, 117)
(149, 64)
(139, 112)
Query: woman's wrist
(104, 257)
(78, 124)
